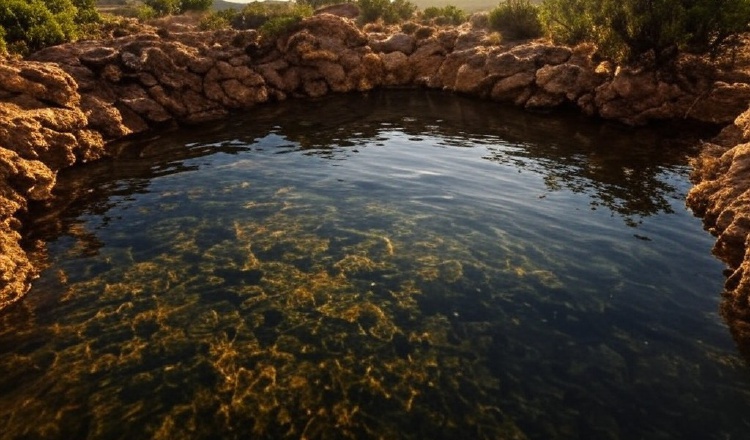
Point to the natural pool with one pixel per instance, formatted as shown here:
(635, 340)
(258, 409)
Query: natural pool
(400, 265)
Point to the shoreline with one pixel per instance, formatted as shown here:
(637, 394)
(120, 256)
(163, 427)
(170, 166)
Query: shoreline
(64, 106)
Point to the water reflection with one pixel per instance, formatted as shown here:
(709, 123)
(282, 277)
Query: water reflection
(618, 167)
(336, 269)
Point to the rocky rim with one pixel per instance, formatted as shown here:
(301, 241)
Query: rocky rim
(65, 104)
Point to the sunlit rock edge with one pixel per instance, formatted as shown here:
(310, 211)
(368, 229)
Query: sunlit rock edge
(63, 106)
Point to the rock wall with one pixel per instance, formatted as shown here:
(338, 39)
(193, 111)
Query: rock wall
(63, 105)
(721, 196)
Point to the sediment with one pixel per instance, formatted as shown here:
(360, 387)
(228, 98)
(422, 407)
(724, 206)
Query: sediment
(65, 105)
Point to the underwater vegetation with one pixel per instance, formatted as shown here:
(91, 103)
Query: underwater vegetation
(365, 274)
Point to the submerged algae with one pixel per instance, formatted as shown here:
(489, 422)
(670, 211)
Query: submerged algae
(399, 287)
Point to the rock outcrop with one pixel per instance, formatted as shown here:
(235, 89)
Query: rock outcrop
(721, 196)
(64, 104)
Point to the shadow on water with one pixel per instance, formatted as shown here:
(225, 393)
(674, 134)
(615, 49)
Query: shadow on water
(618, 167)
(395, 265)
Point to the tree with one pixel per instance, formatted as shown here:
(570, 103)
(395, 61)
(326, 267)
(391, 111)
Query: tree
(625, 30)
(174, 7)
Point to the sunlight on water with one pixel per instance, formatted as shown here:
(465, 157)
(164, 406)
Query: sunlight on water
(400, 265)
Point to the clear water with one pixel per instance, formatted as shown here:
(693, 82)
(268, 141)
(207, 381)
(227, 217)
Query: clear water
(396, 265)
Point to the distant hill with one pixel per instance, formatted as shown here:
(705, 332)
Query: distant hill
(220, 5)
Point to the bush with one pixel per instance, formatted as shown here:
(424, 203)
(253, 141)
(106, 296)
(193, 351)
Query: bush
(30, 25)
(446, 15)
(626, 30)
(568, 21)
(275, 16)
(277, 26)
(516, 19)
(218, 20)
(174, 7)
(391, 12)
(315, 4)
(3, 45)
(146, 12)
(87, 13)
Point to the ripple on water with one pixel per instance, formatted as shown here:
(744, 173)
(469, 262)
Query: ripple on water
(480, 276)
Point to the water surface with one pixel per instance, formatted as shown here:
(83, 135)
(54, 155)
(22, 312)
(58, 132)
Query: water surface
(395, 265)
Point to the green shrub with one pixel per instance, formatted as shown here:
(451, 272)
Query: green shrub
(29, 25)
(87, 13)
(277, 26)
(257, 14)
(3, 45)
(568, 21)
(446, 15)
(390, 12)
(161, 7)
(516, 19)
(146, 12)
(218, 20)
(195, 5)
(315, 4)
(174, 7)
(626, 30)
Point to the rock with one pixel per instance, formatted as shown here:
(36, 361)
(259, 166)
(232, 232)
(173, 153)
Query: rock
(99, 57)
(513, 88)
(505, 64)
(346, 10)
(398, 42)
(722, 104)
(42, 81)
(427, 59)
(397, 69)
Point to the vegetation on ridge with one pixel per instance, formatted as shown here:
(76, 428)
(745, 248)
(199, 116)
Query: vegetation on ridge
(29, 25)
(635, 30)
(627, 31)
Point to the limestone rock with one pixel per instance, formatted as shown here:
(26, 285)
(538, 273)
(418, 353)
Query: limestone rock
(398, 42)
(346, 10)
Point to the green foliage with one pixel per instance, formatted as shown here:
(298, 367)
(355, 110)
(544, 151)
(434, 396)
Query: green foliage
(277, 26)
(568, 21)
(390, 12)
(218, 20)
(87, 13)
(516, 19)
(315, 4)
(275, 16)
(29, 25)
(174, 7)
(146, 12)
(449, 14)
(626, 30)
(3, 45)
(162, 7)
(195, 5)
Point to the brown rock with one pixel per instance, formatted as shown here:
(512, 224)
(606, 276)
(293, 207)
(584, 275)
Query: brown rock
(397, 69)
(346, 10)
(513, 88)
(398, 42)
(42, 81)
